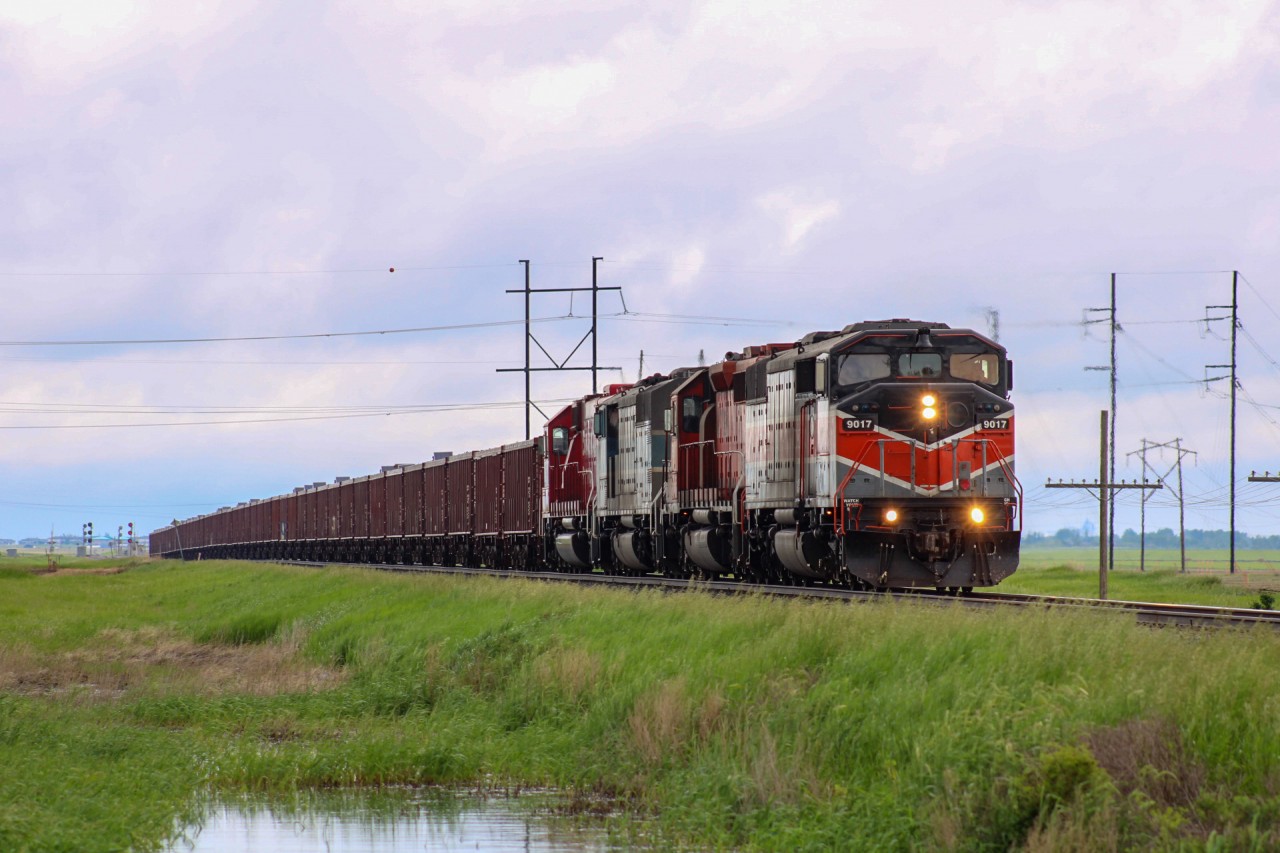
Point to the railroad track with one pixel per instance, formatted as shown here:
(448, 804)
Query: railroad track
(1145, 612)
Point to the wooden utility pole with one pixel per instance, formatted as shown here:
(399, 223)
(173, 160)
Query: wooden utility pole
(1104, 489)
(1235, 325)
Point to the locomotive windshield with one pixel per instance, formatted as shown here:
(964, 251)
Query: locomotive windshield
(981, 367)
(964, 360)
(862, 367)
(923, 364)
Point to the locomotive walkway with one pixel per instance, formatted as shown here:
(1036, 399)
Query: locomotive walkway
(1145, 612)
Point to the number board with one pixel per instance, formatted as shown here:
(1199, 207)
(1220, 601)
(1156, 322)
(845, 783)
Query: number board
(862, 423)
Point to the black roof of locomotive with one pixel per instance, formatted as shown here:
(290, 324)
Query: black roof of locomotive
(819, 342)
(896, 323)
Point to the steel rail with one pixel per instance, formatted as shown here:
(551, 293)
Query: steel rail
(1157, 614)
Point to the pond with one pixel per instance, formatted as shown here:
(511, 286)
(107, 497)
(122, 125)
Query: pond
(390, 822)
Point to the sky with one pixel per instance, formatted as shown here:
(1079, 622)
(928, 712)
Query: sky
(748, 171)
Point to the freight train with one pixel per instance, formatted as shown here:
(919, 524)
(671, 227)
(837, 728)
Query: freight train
(877, 456)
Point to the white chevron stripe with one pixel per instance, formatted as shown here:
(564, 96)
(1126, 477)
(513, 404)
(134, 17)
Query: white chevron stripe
(1003, 416)
(925, 490)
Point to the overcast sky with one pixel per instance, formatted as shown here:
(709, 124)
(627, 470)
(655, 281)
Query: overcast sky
(255, 169)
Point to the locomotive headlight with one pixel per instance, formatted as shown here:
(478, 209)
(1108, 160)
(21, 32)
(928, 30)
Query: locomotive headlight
(929, 413)
(977, 515)
(890, 515)
(929, 400)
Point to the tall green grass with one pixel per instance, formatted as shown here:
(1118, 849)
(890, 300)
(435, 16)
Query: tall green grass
(735, 723)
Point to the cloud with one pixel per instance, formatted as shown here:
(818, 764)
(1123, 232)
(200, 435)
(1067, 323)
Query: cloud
(804, 164)
(796, 216)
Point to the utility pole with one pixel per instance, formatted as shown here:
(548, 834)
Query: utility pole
(1235, 324)
(1180, 451)
(1104, 488)
(595, 291)
(1142, 514)
(1110, 320)
(528, 369)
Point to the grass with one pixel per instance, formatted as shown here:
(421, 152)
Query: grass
(744, 723)
(1074, 572)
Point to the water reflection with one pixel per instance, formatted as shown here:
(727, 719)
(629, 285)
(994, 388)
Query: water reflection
(386, 822)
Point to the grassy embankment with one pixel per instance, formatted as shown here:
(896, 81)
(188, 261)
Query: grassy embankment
(736, 723)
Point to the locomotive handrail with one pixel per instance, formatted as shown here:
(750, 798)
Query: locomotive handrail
(838, 498)
(739, 519)
(1003, 462)
(702, 474)
(1006, 469)
(568, 452)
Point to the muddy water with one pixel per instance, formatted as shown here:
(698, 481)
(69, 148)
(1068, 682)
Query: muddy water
(352, 823)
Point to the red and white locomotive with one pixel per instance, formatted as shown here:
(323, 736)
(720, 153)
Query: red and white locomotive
(880, 455)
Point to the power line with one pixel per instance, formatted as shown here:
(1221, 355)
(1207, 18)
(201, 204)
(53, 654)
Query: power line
(253, 362)
(632, 316)
(311, 335)
(454, 407)
(211, 273)
(1261, 298)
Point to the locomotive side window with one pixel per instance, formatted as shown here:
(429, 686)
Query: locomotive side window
(920, 364)
(689, 417)
(981, 367)
(862, 367)
(559, 441)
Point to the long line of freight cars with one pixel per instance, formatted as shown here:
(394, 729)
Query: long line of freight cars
(480, 506)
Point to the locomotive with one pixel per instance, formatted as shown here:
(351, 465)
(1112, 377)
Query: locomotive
(877, 456)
